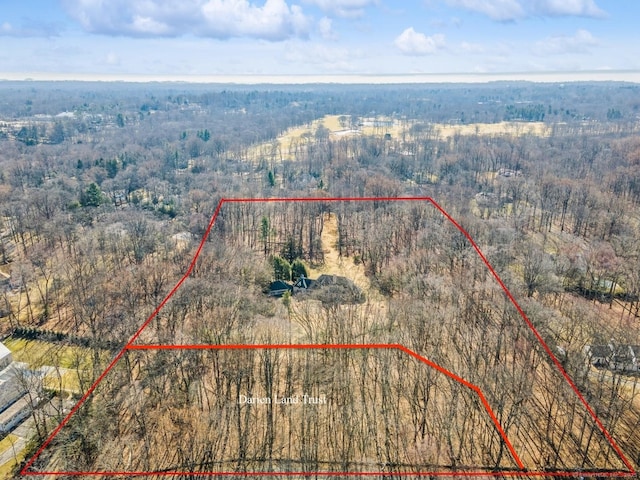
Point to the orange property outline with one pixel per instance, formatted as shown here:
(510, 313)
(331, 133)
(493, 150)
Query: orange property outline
(522, 473)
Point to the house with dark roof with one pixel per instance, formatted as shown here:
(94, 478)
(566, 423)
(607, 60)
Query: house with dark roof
(303, 283)
(333, 289)
(279, 288)
(624, 358)
(326, 288)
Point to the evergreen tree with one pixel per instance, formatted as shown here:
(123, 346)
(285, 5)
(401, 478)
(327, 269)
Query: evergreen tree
(265, 230)
(92, 196)
(298, 268)
(112, 167)
(281, 268)
(291, 250)
(28, 135)
(57, 133)
(204, 135)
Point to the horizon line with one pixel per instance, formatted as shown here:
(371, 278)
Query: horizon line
(630, 76)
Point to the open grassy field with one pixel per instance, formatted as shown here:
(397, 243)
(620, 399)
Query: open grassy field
(294, 139)
(539, 129)
(333, 263)
(299, 136)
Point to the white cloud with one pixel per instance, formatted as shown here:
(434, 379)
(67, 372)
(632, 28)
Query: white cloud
(509, 10)
(273, 20)
(411, 42)
(343, 8)
(471, 47)
(502, 10)
(325, 27)
(580, 42)
(579, 8)
(149, 26)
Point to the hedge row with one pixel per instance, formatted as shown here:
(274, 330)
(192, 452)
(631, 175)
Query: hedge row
(34, 333)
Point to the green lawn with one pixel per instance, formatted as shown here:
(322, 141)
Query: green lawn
(70, 359)
(6, 444)
(37, 353)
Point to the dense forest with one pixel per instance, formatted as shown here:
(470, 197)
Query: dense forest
(106, 191)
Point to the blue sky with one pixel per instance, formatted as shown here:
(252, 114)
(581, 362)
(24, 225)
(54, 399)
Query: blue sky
(157, 38)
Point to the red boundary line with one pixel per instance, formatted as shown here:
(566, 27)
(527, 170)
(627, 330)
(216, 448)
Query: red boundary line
(631, 471)
(529, 323)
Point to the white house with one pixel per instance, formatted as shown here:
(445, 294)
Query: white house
(624, 358)
(599, 355)
(10, 389)
(5, 357)
(15, 414)
(14, 402)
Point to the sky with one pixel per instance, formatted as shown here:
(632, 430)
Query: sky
(181, 39)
